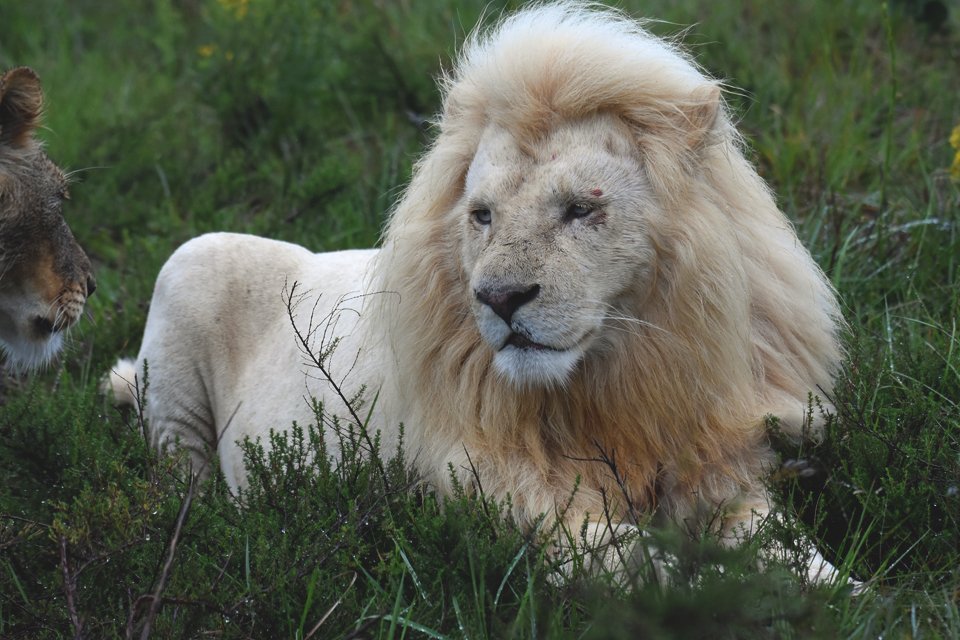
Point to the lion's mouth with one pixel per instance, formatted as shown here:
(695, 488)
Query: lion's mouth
(522, 342)
(44, 326)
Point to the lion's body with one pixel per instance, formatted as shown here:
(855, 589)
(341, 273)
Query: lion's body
(231, 367)
(583, 265)
(45, 276)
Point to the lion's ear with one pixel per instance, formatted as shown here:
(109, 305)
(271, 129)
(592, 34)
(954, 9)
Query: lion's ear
(672, 137)
(700, 116)
(21, 104)
(678, 127)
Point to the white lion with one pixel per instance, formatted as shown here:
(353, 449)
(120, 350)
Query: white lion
(584, 263)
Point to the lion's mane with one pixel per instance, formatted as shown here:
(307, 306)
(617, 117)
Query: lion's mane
(738, 324)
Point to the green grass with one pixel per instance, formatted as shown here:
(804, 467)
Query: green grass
(300, 121)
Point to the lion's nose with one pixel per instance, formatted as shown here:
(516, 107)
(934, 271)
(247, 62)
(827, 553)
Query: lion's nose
(505, 301)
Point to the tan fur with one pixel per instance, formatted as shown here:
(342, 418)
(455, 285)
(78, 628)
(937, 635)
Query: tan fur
(671, 307)
(45, 277)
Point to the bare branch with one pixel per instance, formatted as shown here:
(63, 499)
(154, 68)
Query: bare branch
(481, 494)
(320, 362)
(156, 599)
(70, 590)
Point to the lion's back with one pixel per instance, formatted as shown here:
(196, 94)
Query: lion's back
(220, 350)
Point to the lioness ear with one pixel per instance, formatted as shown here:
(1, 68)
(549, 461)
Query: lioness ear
(21, 103)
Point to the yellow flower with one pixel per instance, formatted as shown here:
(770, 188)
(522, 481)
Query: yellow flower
(205, 51)
(238, 7)
(955, 143)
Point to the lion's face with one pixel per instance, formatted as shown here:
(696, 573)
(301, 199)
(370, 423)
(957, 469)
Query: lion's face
(554, 236)
(45, 277)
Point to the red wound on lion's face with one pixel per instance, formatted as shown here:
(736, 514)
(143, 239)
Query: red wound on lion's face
(596, 193)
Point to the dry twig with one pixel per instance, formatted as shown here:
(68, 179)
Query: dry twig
(156, 599)
(70, 590)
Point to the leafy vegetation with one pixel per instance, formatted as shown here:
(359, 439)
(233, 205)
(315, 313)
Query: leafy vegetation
(300, 121)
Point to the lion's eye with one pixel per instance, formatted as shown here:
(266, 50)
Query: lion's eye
(482, 216)
(578, 210)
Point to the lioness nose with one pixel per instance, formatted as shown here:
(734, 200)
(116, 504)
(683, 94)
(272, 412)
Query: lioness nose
(506, 301)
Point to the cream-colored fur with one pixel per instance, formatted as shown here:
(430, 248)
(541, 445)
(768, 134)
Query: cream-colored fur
(222, 357)
(584, 265)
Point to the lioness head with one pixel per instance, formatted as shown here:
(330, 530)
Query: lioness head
(45, 277)
(553, 242)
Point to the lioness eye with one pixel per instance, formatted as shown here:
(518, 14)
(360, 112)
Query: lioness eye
(578, 210)
(482, 216)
